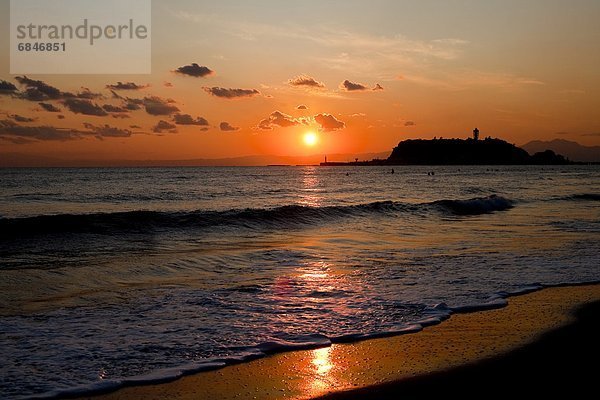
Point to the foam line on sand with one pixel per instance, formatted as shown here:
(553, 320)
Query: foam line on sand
(381, 364)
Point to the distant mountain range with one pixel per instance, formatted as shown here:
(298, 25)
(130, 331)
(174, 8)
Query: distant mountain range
(572, 150)
(26, 160)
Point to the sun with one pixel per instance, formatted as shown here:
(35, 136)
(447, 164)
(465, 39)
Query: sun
(310, 138)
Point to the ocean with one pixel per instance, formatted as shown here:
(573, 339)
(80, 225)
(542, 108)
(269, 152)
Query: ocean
(119, 276)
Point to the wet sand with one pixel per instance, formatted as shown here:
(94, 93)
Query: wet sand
(491, 351)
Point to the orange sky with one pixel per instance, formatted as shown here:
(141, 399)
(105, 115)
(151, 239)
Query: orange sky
(517, 70)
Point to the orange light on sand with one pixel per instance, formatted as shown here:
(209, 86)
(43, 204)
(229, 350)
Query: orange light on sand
(310, 138)
(321, 379)
(321, 361)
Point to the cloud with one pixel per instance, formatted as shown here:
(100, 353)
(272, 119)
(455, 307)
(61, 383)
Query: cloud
(562, 133)
(37, 90)
(126, 86)
(329, 123)
(349, 86)
(15, 133)
(358, 115)
(305, 81)
(20, 118)
(225, 127)
(15, 140)
(135, 127)
(187, 119)
(107, 131)
(114, 109)
(163, 125)
(231, 93)
(7, 87)
(42, 88)
(132, 104)
(194, 70)
(591, 134)
(466, 78)
(33, 94)
(157, 106)
(352, 87)
(301, 107)
(572, 91)
(277, 118)
(85, 94)
(26, 134)
(265, 124)
(85, 107)
(409, 123)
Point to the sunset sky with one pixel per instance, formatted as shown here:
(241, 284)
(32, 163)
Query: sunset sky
(361, 75)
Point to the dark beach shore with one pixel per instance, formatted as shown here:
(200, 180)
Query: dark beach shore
(562, 363)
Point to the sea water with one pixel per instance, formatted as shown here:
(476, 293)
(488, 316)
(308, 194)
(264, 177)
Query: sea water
(114, 276)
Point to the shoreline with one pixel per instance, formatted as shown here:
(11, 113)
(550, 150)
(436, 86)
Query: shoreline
(468, 337)
(555, 365)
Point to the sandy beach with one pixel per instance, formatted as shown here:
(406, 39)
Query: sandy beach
(467, 346)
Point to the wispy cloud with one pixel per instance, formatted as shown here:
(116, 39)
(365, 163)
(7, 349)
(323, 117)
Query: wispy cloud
(331, 36)
(468, 78)
(427, 62)
(572, 91)
(19, 134)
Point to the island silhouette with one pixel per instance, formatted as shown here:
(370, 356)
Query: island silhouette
(471, 151)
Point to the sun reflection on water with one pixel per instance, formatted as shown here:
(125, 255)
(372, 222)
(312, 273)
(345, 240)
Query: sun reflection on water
(309, 191)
